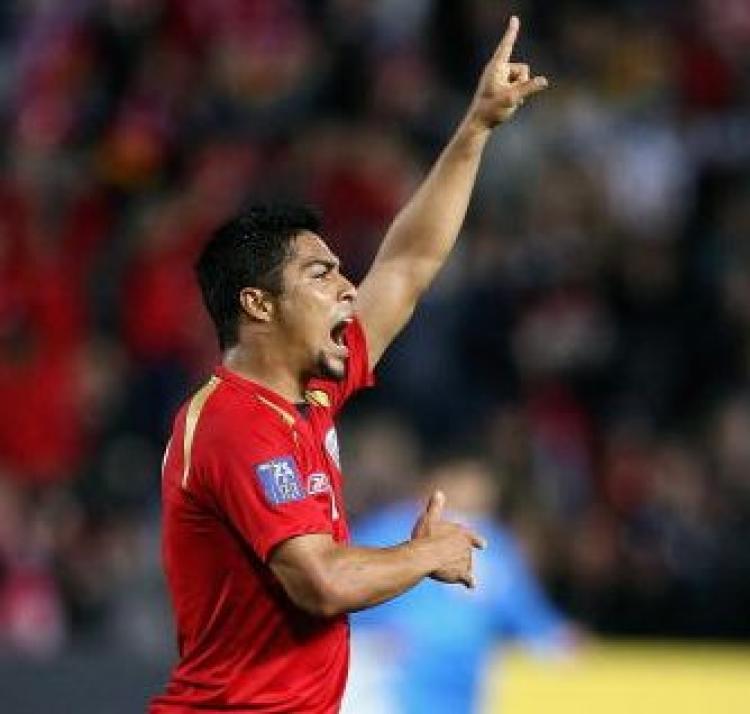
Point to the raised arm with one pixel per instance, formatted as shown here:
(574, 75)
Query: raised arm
(423, 233)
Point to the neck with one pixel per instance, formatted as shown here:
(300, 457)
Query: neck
(264, 366)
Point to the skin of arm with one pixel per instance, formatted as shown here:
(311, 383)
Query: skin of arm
(326, 578)
(424, 232)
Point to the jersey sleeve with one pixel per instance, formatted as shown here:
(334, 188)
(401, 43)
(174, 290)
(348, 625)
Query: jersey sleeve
(358, 372)
(261, 490)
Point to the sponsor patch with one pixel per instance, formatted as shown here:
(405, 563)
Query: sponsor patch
(318, 483)
(280, 480)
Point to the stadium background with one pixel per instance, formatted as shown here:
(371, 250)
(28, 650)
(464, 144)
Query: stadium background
(589, 336)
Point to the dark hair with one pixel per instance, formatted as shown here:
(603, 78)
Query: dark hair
(248, 251)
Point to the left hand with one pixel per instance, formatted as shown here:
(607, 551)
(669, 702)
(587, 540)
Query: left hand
(504, 85)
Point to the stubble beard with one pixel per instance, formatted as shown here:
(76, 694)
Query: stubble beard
(327, 368)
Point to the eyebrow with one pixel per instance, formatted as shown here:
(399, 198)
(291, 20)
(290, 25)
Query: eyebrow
(329, 263)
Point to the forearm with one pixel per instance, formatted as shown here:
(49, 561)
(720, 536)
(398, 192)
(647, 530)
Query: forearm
(363, 577)
(423, 233)
(326, 578)
(349, 578)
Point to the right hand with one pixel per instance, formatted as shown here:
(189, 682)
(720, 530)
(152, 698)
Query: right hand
(453, 543)
(504, 85)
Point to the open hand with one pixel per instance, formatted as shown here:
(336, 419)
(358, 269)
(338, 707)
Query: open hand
(504, 85)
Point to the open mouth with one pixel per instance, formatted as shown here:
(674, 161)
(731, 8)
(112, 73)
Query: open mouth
(337, 334)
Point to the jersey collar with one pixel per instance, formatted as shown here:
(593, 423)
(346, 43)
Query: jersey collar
(282, 406)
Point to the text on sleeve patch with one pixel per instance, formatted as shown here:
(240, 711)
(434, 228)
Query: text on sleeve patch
(280, 480)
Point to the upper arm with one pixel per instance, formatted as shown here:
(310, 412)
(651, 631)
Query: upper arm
(259, 485)
(300, 565)
(386, 299)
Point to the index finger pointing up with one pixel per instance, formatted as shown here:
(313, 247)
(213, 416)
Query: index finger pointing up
(505, 48)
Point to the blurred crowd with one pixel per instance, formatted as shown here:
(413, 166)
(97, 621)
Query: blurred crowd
(590, 336)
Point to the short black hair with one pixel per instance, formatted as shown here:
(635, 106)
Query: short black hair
(248, 251)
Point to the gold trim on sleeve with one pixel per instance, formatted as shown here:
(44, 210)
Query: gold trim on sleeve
(191, 421)
(286, 417)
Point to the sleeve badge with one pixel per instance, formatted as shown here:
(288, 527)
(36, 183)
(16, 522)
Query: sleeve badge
(280, 480)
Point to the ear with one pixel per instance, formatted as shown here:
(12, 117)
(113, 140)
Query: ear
(256, 304)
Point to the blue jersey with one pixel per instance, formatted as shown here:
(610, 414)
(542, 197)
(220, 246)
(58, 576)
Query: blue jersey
(439, 636)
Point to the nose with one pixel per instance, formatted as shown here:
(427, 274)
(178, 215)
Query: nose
(348, 291)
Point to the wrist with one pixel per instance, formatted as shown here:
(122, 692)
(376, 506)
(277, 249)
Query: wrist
(473, 132)
(476, 122)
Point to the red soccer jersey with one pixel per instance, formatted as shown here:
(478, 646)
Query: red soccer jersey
(245, 470)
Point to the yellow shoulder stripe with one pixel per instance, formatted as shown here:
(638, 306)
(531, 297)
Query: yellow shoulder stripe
(318, 397)
(286, 417)
(191, 421)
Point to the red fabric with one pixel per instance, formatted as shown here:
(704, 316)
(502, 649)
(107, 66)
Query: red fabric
(243, 645)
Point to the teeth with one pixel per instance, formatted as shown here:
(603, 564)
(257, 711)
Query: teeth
(337, 332)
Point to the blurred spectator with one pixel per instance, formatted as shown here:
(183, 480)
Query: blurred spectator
(428, 650)
(589, 336)
(32, 620)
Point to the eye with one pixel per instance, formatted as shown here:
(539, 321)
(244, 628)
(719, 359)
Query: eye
(322, 272)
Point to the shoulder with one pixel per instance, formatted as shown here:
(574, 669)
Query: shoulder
(232, 420)
(503, 549)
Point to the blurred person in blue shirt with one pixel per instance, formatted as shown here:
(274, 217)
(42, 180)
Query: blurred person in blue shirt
(427, 651)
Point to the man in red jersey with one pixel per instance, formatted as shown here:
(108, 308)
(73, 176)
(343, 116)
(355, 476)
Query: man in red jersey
(256, 546)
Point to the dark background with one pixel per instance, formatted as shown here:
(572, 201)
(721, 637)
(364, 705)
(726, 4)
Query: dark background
(589, 336)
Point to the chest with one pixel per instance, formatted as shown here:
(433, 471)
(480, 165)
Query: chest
(317, 453)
